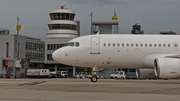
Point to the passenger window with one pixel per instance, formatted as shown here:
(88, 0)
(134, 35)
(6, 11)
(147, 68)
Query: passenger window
(169, 45)
(154, 45)
(104, 44)
(136, 45)
(77, 44)
(145, 45)
(123, 45)
(164, 45)
(159, 45)
(127, 45)
(109, 44)
(118, 44)
(150, 45)
(113, 44)
(141, 45)
(132, 45)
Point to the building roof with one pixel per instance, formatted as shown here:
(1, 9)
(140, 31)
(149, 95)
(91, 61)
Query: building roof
(106, 22)
(167, 32)
(3, 29)
(62, 11)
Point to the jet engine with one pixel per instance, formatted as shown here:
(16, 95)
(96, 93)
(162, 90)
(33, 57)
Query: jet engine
(145, 74)
(167, 68)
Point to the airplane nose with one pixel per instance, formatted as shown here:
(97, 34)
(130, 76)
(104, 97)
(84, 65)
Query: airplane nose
(55, 56)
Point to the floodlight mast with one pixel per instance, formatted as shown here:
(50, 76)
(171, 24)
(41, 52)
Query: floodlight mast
(18, 28)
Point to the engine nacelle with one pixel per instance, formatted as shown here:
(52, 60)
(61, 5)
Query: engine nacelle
(145, 74)
(167, 68)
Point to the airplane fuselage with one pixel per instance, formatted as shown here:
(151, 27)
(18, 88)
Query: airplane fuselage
(117, 51)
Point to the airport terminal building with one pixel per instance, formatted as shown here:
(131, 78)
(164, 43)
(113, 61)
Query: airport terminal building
(26, 47)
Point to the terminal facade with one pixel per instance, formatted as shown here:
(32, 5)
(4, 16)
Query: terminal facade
(27, 47)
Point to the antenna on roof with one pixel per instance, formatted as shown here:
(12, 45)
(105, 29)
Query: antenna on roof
(115, 13)
(62, 7)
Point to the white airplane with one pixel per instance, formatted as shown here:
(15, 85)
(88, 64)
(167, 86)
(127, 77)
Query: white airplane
(152, 55)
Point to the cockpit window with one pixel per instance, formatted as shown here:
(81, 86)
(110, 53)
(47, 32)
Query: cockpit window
(77, 44)
(71, 44)
(67, 44)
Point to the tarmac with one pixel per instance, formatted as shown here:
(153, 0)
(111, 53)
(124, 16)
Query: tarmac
(84, 90)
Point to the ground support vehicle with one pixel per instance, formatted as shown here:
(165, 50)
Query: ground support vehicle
(38, 73)
(62, 74)
(118, 75)
(131, 75)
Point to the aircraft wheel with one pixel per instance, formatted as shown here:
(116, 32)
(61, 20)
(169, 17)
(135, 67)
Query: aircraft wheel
(94, 79)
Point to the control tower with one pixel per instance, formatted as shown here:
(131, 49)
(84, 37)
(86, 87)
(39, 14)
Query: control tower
(62, 28)
(136, 29)
(62, 23)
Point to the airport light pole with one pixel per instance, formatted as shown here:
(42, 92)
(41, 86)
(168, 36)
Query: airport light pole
(91, 21)
(18, 28)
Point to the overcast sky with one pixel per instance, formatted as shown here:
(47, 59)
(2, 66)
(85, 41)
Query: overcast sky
(153, 15)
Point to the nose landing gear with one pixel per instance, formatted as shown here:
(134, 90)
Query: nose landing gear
(94, 78)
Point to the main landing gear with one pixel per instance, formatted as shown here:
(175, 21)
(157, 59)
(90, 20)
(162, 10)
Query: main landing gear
(94, 78)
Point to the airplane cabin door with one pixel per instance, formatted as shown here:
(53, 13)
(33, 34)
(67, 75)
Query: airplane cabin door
(95, 45)
(176, 46)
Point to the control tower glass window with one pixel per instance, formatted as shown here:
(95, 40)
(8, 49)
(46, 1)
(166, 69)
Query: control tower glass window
(62, 16)
(62, 26)
(67, 16)
(72, 16)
